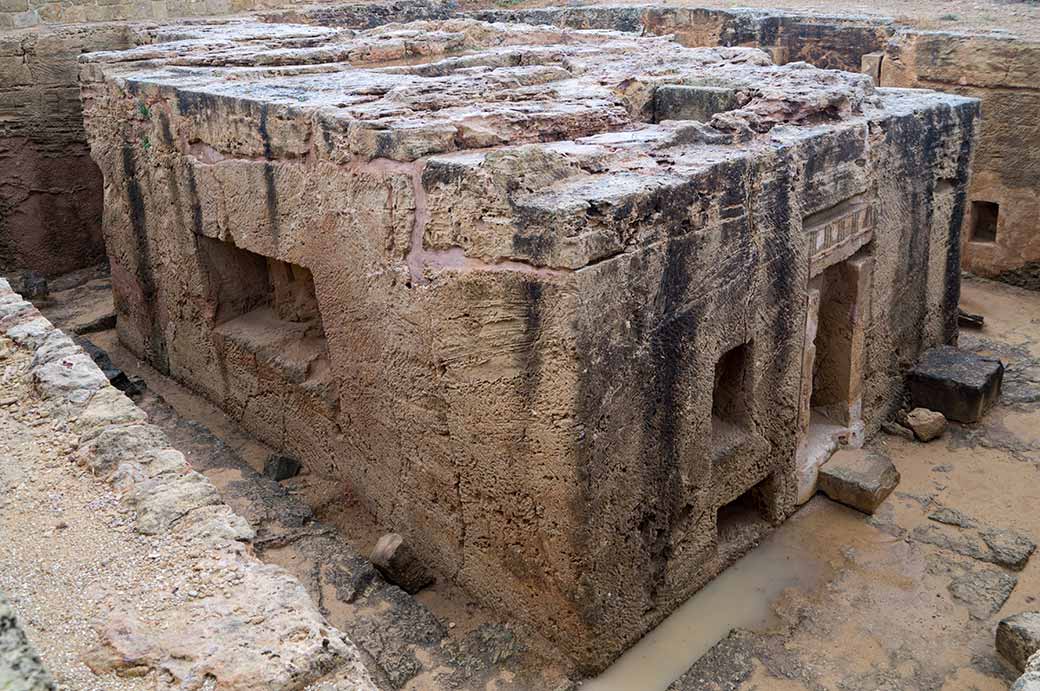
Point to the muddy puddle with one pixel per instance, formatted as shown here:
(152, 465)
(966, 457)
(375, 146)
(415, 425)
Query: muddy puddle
(742, 596)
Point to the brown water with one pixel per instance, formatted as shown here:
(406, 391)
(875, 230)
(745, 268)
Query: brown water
(741, 597)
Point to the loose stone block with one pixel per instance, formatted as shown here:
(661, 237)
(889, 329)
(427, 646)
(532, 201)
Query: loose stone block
(859, 479)
(560, 347)
(1018, 638)
(279, 467)
(960, 385)
(926, 424)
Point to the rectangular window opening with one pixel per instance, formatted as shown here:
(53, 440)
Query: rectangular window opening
(731, 391)
(266, 306)
(746, 516)
(984, 218)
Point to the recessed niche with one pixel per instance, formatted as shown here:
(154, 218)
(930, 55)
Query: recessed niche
(984, 218)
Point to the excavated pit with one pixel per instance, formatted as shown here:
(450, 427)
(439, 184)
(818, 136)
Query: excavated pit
(560, 346)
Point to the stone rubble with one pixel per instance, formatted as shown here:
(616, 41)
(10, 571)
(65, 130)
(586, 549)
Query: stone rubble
(1018, 638)
(255, 628)
(927, 425)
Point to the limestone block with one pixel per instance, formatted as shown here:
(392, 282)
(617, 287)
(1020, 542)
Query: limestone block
(926, 424)
(1018, 638)
(512, 331)
(960, 385)
(858, 478)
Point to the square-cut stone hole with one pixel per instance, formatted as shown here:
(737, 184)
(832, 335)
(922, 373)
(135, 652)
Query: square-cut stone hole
(730, 396)
(984, 217)
(747, 516)
(267, 307)
(690, 102)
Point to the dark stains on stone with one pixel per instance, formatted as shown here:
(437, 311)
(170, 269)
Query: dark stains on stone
(196, 204)
(531, 356)
(164, 128)
(671, 358)
(535, 247)
(270, 186)
(967, 116)
(445, 173)
(143, 260)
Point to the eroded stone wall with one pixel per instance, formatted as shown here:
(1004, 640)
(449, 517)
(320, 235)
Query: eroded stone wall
(50, 190)
(999, 69)
(560, 344)
(50, 201)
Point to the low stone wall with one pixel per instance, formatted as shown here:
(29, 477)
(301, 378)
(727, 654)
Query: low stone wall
(268, 633)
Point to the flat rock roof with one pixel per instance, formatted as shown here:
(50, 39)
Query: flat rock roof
(459, 93)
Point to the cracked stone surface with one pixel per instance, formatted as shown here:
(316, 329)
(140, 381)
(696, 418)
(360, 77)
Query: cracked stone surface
(486, 278)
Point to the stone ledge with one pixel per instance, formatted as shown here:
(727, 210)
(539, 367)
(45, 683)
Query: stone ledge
(270, 634)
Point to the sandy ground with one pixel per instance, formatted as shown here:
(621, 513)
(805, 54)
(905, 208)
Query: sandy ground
(1019, 18)
(68, 550)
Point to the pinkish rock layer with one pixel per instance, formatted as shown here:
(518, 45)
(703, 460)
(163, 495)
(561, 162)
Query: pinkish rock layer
(557, 345)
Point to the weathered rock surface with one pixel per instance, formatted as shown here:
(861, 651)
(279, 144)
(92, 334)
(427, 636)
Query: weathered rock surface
(960, 385)
(20, 666)
(399, 564)
(258, 628)
(220, 636)
(858, 478)
(981, 588)
(926, 424)
(507, 263)
(964, 535)
(1030, 681)
(1018, 638)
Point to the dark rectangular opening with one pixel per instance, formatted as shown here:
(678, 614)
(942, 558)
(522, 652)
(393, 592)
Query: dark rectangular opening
(267, 307)
(747, 516)
(984, 217)
(731, 390)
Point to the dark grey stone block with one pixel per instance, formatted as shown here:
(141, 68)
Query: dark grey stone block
(278, 467)
(681, 102)
(960, 385)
